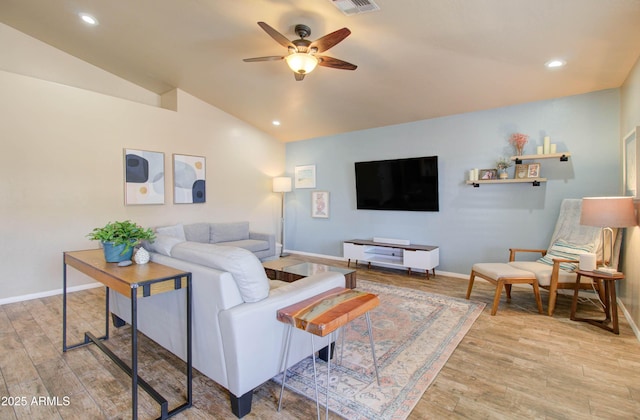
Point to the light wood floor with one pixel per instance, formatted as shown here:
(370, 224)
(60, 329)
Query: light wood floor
(517, 364)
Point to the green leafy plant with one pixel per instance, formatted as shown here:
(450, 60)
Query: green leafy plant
(125, 233)
(503, 163)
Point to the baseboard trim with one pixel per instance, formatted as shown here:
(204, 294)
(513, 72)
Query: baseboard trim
(627, 315)
(55, 292)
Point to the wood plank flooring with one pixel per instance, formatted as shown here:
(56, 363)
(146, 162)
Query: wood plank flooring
(517, 364)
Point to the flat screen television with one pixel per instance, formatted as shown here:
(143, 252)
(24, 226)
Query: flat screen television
(398, 184)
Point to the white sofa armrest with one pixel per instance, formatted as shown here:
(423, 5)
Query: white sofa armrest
(254, 339)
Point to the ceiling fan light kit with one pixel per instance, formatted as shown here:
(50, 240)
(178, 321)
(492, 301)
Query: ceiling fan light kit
(302, 55)
(301, 63)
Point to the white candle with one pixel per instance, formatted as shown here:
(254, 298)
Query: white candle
(552, 150)
(547, 142)
(539, 150)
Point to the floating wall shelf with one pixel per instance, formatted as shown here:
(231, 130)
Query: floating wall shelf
(563, 156)
(534, 181)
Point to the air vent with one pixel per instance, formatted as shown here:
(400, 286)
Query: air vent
(354, 7)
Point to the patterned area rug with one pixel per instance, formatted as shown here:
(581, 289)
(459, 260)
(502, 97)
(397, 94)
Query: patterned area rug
(414, 332)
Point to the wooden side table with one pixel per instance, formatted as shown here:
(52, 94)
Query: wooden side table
(610, 300)
(322, 315)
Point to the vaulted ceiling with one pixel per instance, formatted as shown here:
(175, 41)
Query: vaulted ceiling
(417, 59)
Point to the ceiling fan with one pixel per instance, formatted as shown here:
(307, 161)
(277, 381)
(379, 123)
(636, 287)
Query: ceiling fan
(303, 54)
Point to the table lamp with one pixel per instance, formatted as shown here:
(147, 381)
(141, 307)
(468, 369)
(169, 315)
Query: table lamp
(282, 184)
(608, 213)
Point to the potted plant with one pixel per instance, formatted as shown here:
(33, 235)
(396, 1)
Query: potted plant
(501, 165)
(119, 238)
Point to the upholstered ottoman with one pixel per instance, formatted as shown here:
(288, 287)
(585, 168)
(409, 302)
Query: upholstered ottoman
(503, 274)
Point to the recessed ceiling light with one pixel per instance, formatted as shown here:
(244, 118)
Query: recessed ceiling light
(554, 64)
(275, 122)
(88, 19)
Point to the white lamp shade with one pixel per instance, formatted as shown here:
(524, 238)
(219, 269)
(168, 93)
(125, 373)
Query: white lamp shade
(612, 212)
(301, 63)
(282, 184)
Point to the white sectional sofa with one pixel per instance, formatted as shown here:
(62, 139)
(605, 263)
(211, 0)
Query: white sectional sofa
(237, 340)
(237, 234)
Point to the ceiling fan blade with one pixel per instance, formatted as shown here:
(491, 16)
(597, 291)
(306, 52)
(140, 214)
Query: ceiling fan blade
(299, 76)
(280, 39)
(335, 63)
(328, 41)
(269, 58)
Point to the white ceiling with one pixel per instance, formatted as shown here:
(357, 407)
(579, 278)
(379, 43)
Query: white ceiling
(417, 59)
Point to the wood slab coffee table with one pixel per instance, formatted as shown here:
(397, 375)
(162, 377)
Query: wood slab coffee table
(277, 270)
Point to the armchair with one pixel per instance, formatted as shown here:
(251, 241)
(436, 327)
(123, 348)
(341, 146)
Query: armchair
(555, 269)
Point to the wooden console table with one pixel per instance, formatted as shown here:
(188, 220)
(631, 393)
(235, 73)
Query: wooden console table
(135, 281)
(424, 257)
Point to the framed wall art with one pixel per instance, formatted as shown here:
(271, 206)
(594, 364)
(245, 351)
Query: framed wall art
(320, 204)
(629, 148)
(143, 177)
(189, 179)
(305, 176)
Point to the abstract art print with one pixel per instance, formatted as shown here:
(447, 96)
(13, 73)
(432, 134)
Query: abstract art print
(144, 177)
(189, 180)
(305, 176)
(320, 204)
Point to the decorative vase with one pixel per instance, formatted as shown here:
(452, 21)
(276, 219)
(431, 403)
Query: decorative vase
(142, 256)
(113, 253)
(519, 150)
(503, 174)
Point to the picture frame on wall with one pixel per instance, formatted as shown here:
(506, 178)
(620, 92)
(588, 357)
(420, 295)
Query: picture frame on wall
(189, 179)
(320, 204)
(305, 176)
(629, 163)
(143, 177)
(533, 170)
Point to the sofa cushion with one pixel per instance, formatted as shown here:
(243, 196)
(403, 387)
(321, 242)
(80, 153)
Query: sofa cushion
(565, 250)
(177, 231)
(163, 244)
(244, 266)
(249, 244)
(226, 232)
(197, 232)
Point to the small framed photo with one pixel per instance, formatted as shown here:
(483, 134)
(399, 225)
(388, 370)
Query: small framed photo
(320, 204)
(486, 174)
(533, 171)
(522, 171)
(305, 176)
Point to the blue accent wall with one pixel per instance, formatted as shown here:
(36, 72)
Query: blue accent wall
(473, 224)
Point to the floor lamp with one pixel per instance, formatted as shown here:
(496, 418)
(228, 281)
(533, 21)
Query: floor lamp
(608, 213)
(282, 185)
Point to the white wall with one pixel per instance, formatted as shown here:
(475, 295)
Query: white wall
(473, 224)
(629, 289)
(61, 171)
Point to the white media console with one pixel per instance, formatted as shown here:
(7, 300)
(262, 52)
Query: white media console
(393, 253)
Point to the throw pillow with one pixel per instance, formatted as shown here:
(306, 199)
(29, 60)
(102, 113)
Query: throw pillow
(163, 244)
(177, 231)
(244, 266)
(565, 250)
